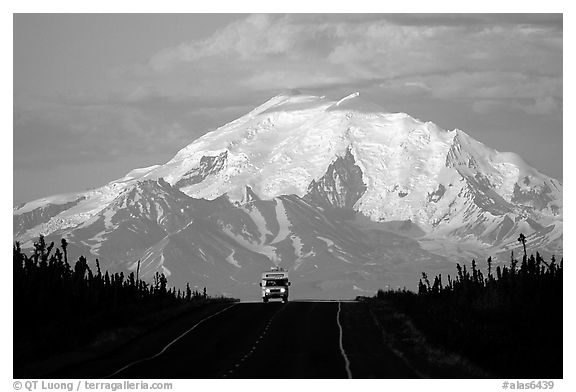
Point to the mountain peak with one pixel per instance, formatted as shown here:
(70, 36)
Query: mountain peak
(136, 173)
(348, 97)
(354, 103)
(283, 184)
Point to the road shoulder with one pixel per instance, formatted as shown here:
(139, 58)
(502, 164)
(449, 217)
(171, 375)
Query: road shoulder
(401, 336)
(101, 358)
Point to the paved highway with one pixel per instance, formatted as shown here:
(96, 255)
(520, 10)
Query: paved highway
(256, 340)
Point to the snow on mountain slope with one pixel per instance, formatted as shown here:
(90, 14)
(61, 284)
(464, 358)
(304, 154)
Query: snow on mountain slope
(284, 145)
(52, 214)
(327, 253)
(342, 193)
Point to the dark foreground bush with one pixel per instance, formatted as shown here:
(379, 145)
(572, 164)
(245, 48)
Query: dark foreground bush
(58, 308)
(508, 321)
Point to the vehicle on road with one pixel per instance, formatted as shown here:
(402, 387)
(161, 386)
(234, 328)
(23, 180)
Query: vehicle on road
(275, 284)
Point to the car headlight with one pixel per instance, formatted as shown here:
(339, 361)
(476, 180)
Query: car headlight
(267, 290)
(282, 290)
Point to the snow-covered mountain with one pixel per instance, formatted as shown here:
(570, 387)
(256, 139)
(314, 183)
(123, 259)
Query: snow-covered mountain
(347, 196)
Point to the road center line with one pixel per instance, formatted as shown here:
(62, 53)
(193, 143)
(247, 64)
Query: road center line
(346, 360)
(169, 344)
(261, 337)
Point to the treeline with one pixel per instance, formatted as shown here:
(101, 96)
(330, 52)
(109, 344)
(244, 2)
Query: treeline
(533, 279)
(507, 319)
(45, 284)
(61, 307)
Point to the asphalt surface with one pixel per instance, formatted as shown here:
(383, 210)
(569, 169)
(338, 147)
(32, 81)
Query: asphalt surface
(256, 340)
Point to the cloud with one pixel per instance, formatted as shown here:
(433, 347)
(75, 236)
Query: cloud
(482, 85)
(155, 99)
(476, 55)
(367, 39)
(543, 105)
(491, 62)
(540, 106)
(50, 134)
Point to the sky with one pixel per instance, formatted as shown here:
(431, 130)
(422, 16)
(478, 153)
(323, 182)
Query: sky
(96, 95)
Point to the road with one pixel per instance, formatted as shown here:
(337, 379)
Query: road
(256, 340)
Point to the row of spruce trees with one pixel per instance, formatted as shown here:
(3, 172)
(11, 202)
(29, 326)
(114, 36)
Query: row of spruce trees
(507, 319)
(530, 280)
(46, 285)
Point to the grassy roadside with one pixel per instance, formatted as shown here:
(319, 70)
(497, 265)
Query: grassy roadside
(38, 350)
(425, 357)
(508, 324)
(65, 314)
